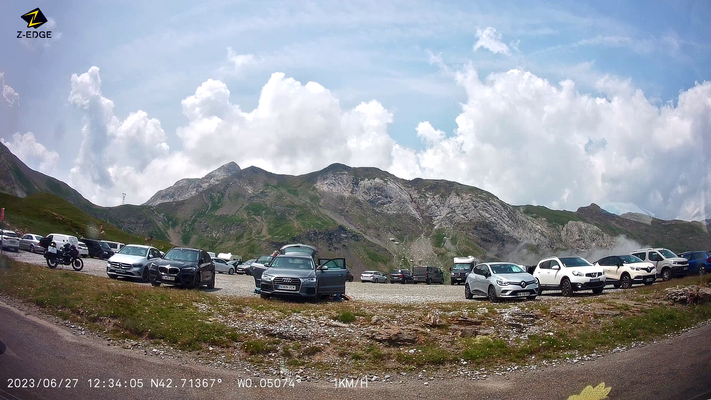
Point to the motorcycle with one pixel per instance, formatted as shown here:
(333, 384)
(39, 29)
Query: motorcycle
(66, 255)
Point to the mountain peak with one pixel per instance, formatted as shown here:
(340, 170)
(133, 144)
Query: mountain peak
(186, 188)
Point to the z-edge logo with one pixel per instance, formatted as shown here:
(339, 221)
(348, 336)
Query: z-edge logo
(34, 18)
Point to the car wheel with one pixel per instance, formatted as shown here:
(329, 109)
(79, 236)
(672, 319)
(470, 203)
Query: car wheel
(566, 288)
(666, 274)
(112, 276)
(391, 282)
(531, 297)
(598, 290)
(211, 284)
(145, 275)
(451, 282)
(702, 270)
(32, 248)
(626, 281)
(154, 283)
(467, 292)
(264, 296)
(540, 289)
(616, 285)
(429, 281)
(492, 295)
(231, 271)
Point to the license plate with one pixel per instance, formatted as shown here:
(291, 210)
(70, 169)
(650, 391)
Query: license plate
(52, 250)
(521, 294)
(168, 278)
(685, 268)
(286, 287)
(649, 279)
(595, 280)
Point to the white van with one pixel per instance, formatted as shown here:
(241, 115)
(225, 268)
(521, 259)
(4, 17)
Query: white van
(60, 239)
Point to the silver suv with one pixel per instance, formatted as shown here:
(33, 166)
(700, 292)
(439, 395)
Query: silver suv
(665, 261)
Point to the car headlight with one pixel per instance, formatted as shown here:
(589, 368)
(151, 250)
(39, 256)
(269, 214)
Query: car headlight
(267, 278)
(137, 265)
(502, 282)
(577, 273)
(309, 280)
(189, 269)
(108, 264)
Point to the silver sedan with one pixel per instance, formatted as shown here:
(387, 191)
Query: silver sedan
(373, 276)
(30, 242)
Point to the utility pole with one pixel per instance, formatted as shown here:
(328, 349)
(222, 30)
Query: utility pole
(123, 198)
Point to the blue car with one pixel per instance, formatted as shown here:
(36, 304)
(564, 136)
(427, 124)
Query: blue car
(699, 261)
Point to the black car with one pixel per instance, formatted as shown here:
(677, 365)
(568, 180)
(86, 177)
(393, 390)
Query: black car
(97, 248)
(190, 268)
(401, 275)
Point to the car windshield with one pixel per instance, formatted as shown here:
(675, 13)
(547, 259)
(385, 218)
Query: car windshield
(219, 261)
(461, 267)
(506, 269)
(134, 251)
(667, 253)
(182, 255)
(264, 259)
(104, 246)
(575, 262)
(630, 259)
(292, 263)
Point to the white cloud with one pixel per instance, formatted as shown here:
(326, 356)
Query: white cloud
(117, 156)
(32, 153)
(489, 39)
(529, 141)
(8, 93)
(239, 63)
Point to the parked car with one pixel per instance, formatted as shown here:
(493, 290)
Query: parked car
(244, 267)
(221, 266)
(625, 270)
(132, 262)
(9, 240)
(373, 276)
(97, 248)
(296, 274)
(211, 254)
(665, 261)
(30, 242)
(401, 275)
(181, 266)
(699, 261)
(83, 250)
(461, 268)
(569, 274)
(59, 240)
(257, 268)
(428, 275)
(499, 280)
(114, 246)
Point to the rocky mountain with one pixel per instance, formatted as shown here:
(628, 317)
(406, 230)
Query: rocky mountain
(186, 188)
(377, 220)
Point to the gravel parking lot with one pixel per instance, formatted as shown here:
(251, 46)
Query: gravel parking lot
(243, 285)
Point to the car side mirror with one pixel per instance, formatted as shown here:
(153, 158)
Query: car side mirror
(201, 261)
(555, 267)
(323, 267)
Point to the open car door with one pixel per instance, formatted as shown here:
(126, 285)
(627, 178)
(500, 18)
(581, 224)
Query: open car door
(333, 279)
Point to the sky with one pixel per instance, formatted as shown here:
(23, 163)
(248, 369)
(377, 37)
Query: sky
(560, 104)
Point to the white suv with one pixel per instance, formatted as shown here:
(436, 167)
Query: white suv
(667, 263)
(624, 270)
(569, 274)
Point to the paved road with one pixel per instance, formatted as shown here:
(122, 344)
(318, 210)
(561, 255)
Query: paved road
(677, 368)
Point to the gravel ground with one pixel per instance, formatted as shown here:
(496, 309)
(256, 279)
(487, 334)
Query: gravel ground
(243, 285)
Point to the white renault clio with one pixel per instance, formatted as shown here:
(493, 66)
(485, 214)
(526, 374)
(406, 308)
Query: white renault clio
(569, 274)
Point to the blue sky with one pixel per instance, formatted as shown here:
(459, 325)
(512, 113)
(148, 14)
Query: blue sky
(405, 62)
